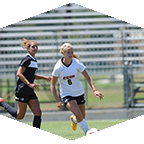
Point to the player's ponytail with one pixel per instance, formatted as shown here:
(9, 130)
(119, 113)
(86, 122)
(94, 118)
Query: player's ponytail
(75, 56)
(66, 45)
(26, 43)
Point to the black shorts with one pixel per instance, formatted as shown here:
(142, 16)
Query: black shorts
(24, 95)
(79, 99)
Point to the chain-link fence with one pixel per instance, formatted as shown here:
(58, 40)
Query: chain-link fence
(110, 86)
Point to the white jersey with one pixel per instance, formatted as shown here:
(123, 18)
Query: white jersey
(68, 77)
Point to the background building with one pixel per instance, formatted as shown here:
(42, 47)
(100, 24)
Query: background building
(103, 44)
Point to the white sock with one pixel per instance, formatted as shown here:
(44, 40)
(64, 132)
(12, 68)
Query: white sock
(83, 125)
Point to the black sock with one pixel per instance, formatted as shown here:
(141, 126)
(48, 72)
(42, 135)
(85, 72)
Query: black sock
(37, 121)
(11, 110)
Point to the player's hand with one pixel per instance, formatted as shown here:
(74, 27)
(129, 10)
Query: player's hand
(59, 104)
(98, 94)
(48, 79)
(34, 86)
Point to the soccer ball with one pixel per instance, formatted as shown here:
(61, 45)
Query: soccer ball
(91, 131)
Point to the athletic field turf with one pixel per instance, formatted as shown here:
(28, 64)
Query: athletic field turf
(63, 128)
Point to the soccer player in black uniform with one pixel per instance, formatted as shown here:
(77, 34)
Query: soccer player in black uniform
(24, 92)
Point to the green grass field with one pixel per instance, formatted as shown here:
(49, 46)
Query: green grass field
(63, 128)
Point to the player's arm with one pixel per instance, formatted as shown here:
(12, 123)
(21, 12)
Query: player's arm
(39, 77)
(20, 72)
(91, 83)
(53, 89)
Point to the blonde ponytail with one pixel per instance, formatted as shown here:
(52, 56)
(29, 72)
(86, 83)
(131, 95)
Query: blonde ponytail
(75, 56)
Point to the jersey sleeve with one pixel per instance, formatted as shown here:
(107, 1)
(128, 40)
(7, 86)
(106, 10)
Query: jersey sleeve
(25, 63)
(56, 71)
(81, 67)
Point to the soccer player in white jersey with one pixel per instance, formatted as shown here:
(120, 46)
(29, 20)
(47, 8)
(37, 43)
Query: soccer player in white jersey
(24, 92)
(66, 71)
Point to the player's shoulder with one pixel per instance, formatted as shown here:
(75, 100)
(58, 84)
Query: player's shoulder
(76, 60)
(28, 57)
(58, 64)
(25, 58)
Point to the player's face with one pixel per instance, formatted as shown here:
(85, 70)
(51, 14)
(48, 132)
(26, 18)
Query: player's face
(33, 49)
(68, 53)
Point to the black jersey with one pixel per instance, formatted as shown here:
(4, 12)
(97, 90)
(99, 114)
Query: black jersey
(31, 67)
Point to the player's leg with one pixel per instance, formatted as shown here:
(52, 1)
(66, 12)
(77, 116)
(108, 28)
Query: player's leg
(19, 114)
(82, 108)
(21, 110)
(74, 108)
(81, 104)
(35, 108)
(83, 123)
(11, 110)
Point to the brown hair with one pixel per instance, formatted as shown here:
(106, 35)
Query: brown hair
(26, 43)
(66, 45)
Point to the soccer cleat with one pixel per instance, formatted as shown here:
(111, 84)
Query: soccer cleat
(1, 100)
(73, 125)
